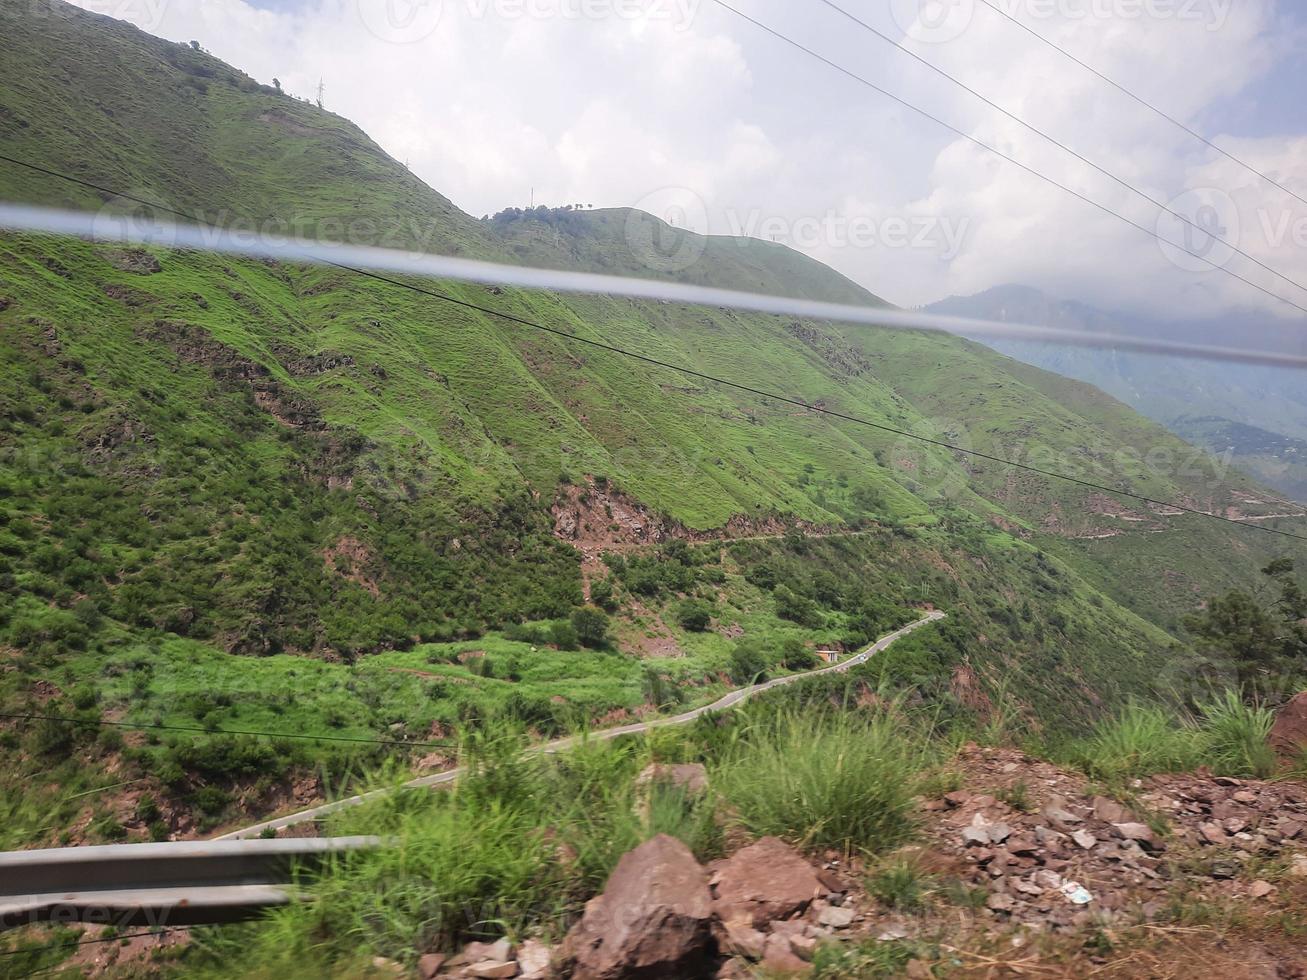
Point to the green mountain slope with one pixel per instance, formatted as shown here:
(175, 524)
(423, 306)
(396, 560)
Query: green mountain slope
(203, 459)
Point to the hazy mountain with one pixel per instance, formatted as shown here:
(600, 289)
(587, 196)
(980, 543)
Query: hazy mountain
(1257, 414)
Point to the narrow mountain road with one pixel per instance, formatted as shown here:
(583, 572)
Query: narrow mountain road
(562, 744)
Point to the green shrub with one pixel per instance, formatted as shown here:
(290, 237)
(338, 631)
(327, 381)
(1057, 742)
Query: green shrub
(826, 779)
(1235, 737)
(748, 665)
(591, 626)
(1139, 740)
(562, 634)
(694, 615)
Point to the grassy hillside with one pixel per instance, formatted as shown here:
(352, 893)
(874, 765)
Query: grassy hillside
(205, 460)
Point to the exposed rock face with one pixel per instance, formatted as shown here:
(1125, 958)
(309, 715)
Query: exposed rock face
(1289, 733)
(765, 881)
(652, 921)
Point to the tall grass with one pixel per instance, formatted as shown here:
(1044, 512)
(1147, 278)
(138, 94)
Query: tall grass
(1139, 740)
(1226, 735)
(826, 779)
(1235, 737)
(517, 846)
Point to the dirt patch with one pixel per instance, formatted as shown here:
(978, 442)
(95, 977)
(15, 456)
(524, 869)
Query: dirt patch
(350, 558)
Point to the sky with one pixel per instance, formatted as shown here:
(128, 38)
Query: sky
(686, 109)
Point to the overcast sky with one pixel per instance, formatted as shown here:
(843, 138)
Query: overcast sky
(687, 110)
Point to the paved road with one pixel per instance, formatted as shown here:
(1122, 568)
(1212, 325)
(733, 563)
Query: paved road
(559, 745)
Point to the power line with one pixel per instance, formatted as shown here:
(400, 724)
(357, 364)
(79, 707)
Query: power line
(424, 265)
(690, 372)
(1060, 145)
(1143, 102)
(145, 726)
(862, 80)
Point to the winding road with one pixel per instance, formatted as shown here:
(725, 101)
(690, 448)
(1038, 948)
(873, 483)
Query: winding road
(559, 745)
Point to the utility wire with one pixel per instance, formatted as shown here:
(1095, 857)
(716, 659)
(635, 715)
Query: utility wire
(1142, 101)
(431, 266)
(762, 393)
(1062, 146)
(144, 726)
(862, 80)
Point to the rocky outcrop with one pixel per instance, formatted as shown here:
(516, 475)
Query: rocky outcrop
(653, 919)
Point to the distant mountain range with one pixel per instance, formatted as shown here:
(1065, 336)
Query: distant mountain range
(1256, 416)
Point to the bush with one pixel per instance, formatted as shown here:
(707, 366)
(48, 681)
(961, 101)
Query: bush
(828, 779)
(562, 634)
(602, 594)
(591, 626)
(1140, 740)
(694, 615)
(748, 665)
(1235, 737)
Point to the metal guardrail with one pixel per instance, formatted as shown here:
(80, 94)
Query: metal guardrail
(168, 884)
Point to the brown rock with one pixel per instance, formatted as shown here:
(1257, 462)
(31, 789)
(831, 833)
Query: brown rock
(1213, 833)
(500, 949)
(534, 960)
(491, 970)
(429, 965)
(1000, 902)
(652, 920)
(1289, 733)
(1109, 811)
(804, 947)
(739, 938)
(1260, 889)
(765, 881)
(1134, 831)
(832, 882)
(779, 958)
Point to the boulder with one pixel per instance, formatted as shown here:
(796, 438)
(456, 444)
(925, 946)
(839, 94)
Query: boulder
(1289, 733)
(653, 919)
(765, 881)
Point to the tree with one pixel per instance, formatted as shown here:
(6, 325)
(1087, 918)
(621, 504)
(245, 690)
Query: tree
(1261, 638)
(563, 635)
(591, 626)
(795, 656)
(601, 594)
(694, 615)
(748, 665)
(276, 83)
